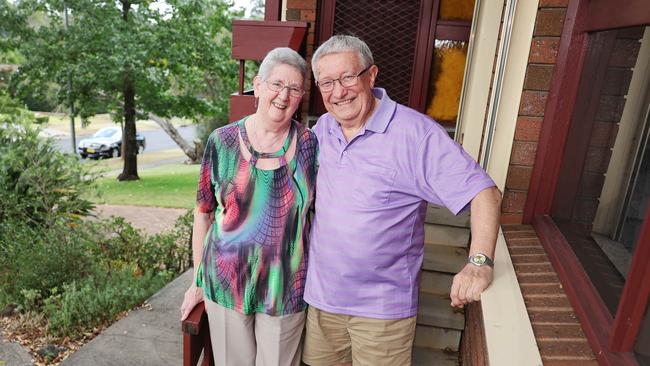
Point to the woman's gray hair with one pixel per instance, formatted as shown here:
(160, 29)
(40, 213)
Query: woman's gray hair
(282, 56)
(343, 43)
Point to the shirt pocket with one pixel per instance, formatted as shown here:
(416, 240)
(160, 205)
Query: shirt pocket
(373, 185)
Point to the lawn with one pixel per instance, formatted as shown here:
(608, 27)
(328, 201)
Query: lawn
(170, 185)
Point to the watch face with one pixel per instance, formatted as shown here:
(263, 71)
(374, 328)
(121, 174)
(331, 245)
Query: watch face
(478, 259)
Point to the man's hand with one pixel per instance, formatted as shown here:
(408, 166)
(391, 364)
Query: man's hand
(469, 283)
(193, 296)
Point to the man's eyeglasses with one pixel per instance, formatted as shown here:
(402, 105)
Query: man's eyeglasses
(277, 86)
(345, 81)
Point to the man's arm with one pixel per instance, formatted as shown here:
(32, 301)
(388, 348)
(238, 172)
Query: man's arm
(472, 280)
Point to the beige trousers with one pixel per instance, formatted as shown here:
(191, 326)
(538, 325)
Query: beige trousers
(259, 339)
(333, 339)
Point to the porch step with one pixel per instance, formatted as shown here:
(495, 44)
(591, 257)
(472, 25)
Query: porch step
(442, 216)
(428, 357)
(443, 258)
(437, 338)
(450, 236)
(435, 283)
(436, 311)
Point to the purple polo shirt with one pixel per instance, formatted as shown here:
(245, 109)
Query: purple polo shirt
(367, 239)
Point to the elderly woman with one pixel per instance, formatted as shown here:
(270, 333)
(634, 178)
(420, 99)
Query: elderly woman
(250, 233)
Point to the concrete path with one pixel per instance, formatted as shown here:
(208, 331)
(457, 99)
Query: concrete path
(146, 337)
(13, 354)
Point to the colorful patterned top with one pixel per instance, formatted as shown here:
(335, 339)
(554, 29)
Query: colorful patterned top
(255, 253)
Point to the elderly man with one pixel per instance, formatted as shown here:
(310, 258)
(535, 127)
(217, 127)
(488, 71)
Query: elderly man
(380, 162)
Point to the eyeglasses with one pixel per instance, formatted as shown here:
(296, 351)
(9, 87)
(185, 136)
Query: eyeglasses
(345, 81)
(277, 86)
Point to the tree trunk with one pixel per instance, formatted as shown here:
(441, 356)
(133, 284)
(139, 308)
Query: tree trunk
(129, 148)
(194, 153)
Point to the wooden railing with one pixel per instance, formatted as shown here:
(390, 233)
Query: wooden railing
(196, 338)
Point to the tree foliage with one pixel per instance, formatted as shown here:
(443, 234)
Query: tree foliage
(132, 58)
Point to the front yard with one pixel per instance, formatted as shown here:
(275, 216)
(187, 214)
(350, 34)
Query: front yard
(64, 278)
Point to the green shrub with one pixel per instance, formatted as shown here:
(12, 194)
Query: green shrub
(83, 275)
(39, 258)
(122, 244)
(12, 112)
(170, 250)
(97, 299)
(38, 184)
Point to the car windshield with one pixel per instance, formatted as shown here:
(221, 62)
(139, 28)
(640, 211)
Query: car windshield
(105, 133)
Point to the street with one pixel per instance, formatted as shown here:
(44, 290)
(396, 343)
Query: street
(156, 139)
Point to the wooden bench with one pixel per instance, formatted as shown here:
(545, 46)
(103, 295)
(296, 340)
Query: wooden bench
(196, 338)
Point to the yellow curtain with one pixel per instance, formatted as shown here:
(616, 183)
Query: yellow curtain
(446, 80)
(456, 9)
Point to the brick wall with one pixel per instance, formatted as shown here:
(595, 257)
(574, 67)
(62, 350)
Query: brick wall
(541, 63)
(305, 10)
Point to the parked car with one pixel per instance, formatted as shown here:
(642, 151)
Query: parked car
(107, 142)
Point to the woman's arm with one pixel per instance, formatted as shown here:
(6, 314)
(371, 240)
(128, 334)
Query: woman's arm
(202, 222)
(194, 295)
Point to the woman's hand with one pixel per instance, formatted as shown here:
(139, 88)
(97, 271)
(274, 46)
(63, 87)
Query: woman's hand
(193, 296)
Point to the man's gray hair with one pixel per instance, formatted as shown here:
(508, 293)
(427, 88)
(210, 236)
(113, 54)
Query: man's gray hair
(282, 56)
(343, 43)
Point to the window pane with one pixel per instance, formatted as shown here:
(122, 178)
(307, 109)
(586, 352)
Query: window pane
(447, 72)
(603, 187)
(456, 10)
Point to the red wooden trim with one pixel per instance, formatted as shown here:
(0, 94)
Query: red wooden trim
(192, 324)
(241, 106)
(272, 10)
(423, 54)
(595, 319)
(473, 344)
(325, 31)
(253, 39)
(636, 294)
(558, 112)
(196, 338)
(453, 30)
(579, 134)
(326, 21)
(607, 14)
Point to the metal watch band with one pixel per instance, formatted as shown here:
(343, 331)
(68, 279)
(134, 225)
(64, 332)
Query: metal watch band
(480, 259)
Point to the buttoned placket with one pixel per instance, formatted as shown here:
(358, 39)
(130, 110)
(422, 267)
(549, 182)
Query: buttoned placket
(343, 145)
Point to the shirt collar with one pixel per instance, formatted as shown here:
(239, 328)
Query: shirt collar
(379, 119)
(382, 116)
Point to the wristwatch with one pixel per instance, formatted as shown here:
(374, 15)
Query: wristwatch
(480, 259)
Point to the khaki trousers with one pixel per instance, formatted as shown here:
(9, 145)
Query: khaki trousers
(333, 339)
(259, 339)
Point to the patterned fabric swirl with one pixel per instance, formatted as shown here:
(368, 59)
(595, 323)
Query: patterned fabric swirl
(255, 253)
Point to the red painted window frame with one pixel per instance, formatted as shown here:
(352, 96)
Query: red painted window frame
(611, 338)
